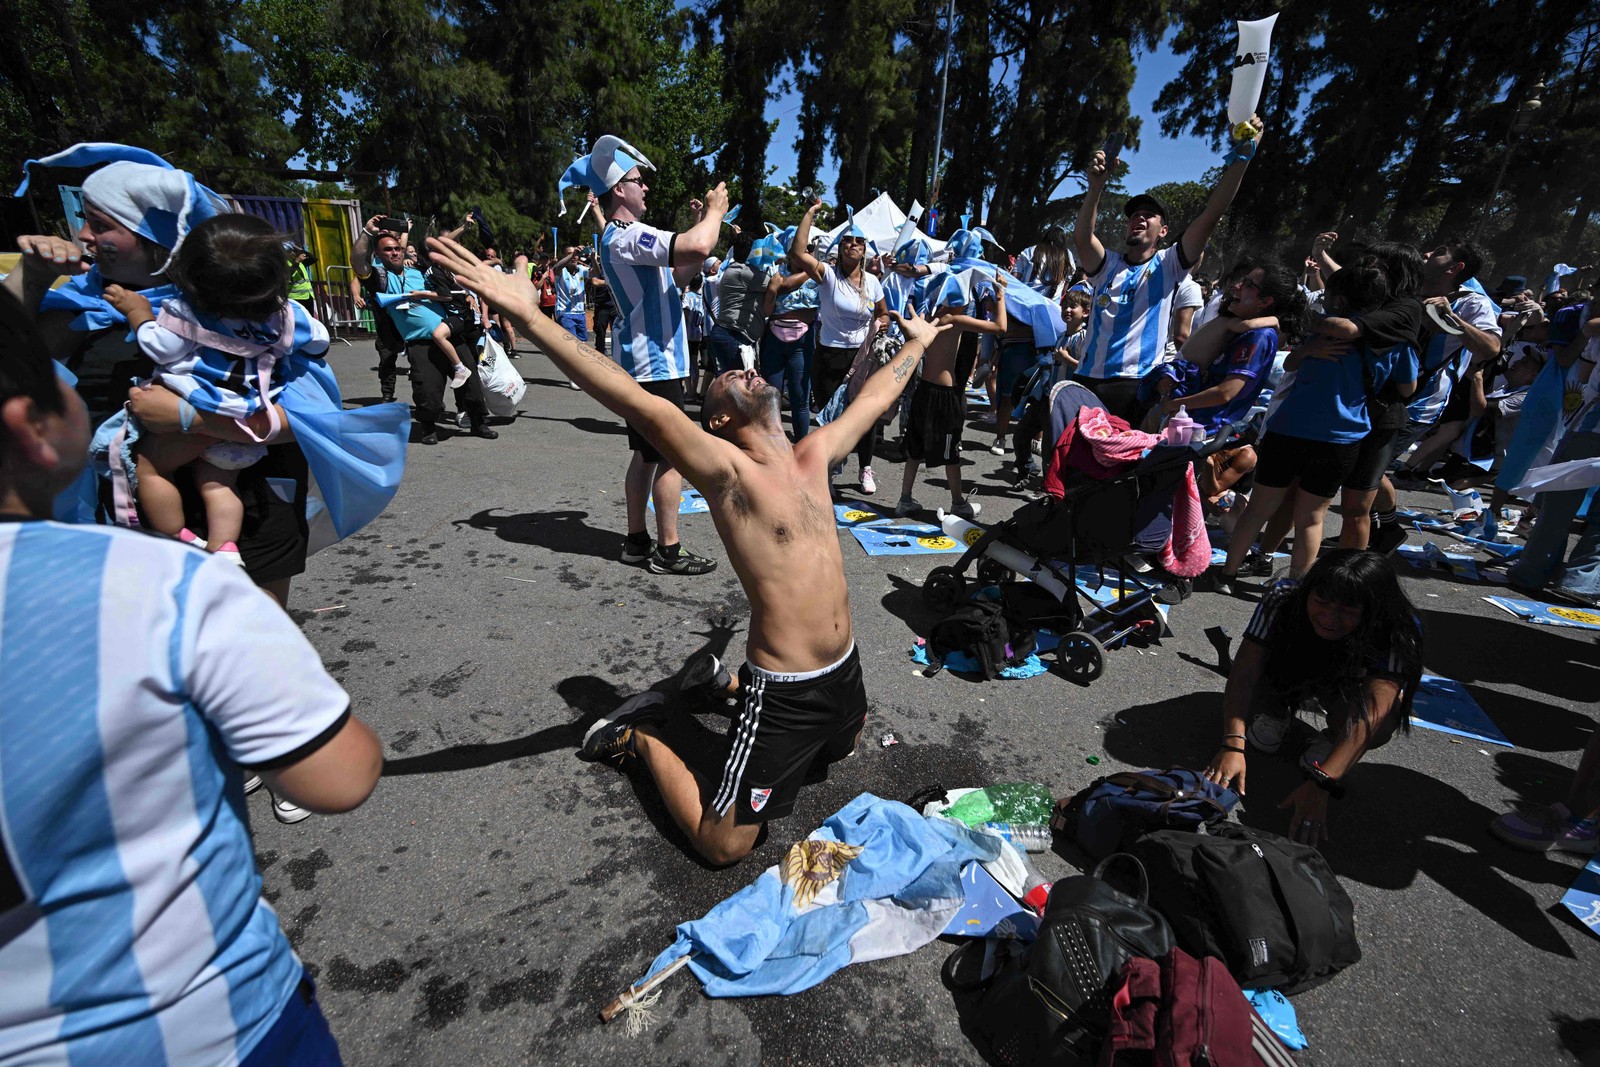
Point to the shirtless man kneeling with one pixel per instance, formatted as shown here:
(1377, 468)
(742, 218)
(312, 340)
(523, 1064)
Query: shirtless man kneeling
(804, 700)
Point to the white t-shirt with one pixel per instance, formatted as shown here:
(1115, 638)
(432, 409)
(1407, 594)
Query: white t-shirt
(136, 672)
(1209, 311)
(844, 313)
(1187, 296)
(1450, 352)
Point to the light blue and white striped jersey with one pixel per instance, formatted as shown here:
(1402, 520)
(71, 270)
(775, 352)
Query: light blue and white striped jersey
(1449, 352)
(648, 336)
(224, 381)
(572, 286)
(136, 673)
(1132, 313)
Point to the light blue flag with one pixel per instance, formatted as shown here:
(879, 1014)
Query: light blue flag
(1042, 314)
(1538, 427)
(356, 458)
(84, 295)
(1559, 271)
(892, 887)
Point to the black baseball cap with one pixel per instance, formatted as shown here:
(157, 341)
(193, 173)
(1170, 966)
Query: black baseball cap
(1145, 200)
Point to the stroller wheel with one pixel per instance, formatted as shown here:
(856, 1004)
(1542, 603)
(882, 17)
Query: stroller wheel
(992, 572)
(943, 589)
(1081, 656)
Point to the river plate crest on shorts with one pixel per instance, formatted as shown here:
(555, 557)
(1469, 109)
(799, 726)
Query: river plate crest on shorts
(811, 864)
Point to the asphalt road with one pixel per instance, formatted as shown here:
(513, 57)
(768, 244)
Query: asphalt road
(495, 891)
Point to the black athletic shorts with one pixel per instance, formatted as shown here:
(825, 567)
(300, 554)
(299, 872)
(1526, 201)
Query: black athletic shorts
(1120, 396)
(1321, 466)
(790, 723)
(1376, 452)
(933, 432)
(671, 390)
(1456, 409)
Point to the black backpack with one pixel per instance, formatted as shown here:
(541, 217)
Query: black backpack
(979, 629)
(1051, 1005)
(1269, 907)
(1112, 812)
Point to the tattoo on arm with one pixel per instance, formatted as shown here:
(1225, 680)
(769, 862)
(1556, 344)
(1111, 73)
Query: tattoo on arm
(907, 361)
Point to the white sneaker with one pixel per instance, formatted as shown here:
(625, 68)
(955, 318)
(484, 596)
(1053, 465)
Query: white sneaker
(288, 813)
(1137, 563)
(967, 509)
(998, 448)
(1266, 732)
(251, 784)
(906, 506)
(869, 484)
(460, 376)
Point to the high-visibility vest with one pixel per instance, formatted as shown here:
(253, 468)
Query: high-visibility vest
(300, 283)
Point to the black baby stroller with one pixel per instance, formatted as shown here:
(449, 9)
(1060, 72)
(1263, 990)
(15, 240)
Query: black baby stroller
(1095, 522)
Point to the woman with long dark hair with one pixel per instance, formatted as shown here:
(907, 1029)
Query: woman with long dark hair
(850, 307)
(1345, 640)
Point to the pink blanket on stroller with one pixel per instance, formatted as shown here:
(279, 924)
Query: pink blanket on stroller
(1107, 446)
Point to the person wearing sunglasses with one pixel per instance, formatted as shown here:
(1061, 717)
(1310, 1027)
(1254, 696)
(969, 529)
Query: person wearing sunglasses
(646, 269)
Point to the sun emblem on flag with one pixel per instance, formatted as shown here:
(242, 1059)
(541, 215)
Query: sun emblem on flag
(811, 864)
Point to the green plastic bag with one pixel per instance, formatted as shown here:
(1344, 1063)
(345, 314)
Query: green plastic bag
(1019, 803)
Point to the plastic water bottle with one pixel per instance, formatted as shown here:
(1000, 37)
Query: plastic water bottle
(1029, 838)
(1180, 428)
(1035, 889)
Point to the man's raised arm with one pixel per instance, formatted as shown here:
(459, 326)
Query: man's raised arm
(691, 247)
(1091, 253)
(696, 453)
(883, 388)
(1199, 231)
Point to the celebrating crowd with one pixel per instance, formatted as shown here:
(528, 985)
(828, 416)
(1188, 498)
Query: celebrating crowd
(147, 686)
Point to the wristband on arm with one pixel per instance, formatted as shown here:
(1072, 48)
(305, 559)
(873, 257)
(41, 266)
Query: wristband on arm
(1242, 152)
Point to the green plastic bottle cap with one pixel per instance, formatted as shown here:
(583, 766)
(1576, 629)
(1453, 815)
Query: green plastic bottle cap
(1094, 760)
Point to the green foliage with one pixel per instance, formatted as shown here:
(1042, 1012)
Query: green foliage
(1395, 119)
(1385, 118)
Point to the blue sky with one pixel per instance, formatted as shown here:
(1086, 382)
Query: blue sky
(1161, 159)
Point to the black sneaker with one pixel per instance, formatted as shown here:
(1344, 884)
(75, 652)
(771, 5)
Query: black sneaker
(1386, 538)
(429, 438)
(1219, 582)
(633, 554)
(707, 676)
(611, 738)
(1257, 565)
(685, 562)
(482, 430)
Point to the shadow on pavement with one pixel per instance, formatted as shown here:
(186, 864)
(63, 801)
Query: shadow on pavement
(1395, 824)
(584, 423)
(559, 531)
(1534, 657)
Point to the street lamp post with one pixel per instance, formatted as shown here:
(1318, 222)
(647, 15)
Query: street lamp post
(1520, 121)
(944, 89)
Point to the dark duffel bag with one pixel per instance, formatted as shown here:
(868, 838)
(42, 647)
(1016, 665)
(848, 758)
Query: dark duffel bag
(1052, 1005)
(1271, 909)
(1114, 811)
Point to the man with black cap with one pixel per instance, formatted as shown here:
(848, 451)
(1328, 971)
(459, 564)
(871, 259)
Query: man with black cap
(1134, 284)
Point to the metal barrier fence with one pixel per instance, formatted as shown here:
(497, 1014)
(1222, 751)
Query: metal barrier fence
(337, 307)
